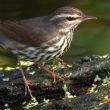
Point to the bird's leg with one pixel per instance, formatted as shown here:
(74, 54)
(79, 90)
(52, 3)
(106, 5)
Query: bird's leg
(27, 89)
(52, 74)
(62, 62)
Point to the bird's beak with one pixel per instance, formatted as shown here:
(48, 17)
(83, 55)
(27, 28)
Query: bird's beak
(88, 17)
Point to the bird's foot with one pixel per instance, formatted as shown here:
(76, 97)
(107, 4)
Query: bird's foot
(52, 74)
(55, 76)
(27, 88)
(26, 83)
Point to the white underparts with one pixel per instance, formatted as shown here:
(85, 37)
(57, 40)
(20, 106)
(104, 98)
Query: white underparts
(46, 52)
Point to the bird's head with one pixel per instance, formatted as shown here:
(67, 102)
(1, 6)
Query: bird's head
(68, 17)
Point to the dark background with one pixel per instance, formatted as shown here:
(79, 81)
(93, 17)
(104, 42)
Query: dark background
(91, 37)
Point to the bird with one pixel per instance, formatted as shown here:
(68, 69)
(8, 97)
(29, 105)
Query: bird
(43, 38)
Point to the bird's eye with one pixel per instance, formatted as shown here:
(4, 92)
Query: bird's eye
(71, 18)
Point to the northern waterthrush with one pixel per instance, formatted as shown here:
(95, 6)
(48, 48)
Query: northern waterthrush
(41, 38)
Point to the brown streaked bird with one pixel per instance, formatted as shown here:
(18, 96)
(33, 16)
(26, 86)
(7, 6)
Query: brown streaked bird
(43, 38)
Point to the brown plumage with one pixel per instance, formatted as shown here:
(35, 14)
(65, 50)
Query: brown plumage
(41, 38)
(32, 34)
(37, 30)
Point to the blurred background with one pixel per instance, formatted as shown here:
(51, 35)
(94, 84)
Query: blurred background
(91, 37)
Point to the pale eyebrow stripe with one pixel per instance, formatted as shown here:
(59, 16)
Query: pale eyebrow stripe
(63, 15)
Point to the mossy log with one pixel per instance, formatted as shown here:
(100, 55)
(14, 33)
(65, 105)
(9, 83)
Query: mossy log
(79, 79)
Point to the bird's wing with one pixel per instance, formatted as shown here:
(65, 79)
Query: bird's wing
(26, 34)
